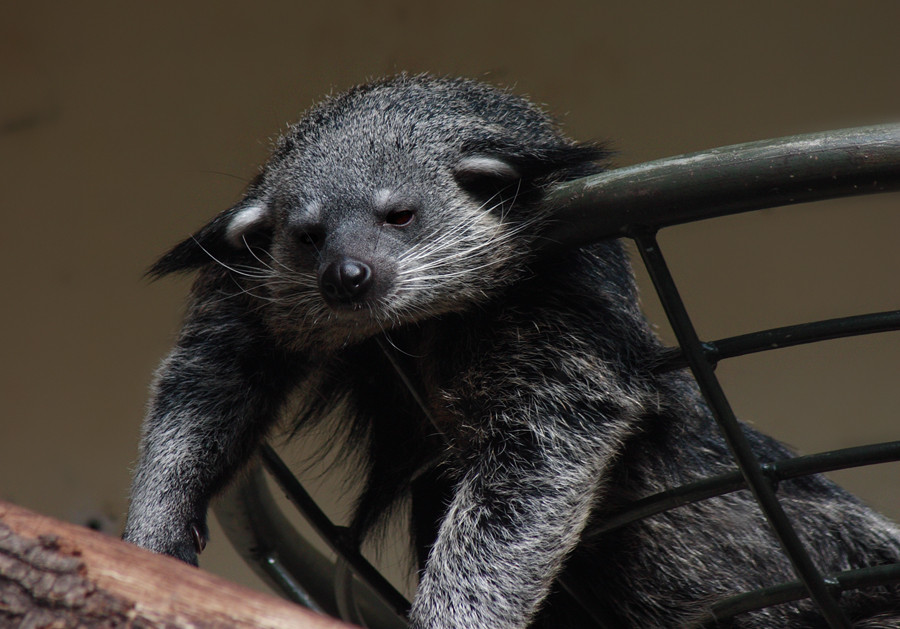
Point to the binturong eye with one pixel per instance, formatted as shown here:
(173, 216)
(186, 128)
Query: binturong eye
(400, 218)
(311, 237)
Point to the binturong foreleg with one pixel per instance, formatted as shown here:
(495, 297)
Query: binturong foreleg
(213, 399)
(528, 473)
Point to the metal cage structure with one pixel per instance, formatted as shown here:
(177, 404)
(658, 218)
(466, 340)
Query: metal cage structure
(633, 202)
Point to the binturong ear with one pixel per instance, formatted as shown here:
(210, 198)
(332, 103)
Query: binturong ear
(506, 168)
(485, 175)
(226, 238)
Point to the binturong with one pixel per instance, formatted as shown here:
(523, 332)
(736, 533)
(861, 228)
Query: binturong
(409, 212)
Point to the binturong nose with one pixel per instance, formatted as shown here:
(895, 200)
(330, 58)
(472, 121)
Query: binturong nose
(345, 280)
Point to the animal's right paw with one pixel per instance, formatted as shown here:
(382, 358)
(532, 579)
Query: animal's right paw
(187, 547)
(183, 542)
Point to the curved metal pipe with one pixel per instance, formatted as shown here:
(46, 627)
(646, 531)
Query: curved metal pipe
(725, 180)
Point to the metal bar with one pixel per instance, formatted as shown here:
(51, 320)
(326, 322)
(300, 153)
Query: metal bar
(729, 482)
(726, 180)
(271, 545)
(273, 566)
(737, 442)
(282, 557)
(344, 593)
(333, 535)
(573, 584)
(787, 336)
(795, 591)
(386, 346)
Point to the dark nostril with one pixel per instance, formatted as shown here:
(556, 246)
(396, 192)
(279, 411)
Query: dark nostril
(346, 279)
(330, 288)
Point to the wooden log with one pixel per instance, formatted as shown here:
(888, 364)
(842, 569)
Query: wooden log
(56, 574)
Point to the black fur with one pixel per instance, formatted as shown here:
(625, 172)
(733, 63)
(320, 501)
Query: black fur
(538, 374)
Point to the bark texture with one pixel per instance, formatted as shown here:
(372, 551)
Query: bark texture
(55, 574)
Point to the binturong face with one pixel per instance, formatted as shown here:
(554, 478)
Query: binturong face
(403, 240)
(394, 202)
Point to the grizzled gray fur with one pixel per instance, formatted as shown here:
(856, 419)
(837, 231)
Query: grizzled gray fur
(411, 209)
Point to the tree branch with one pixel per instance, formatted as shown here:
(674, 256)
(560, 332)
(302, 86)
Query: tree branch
(57, 574)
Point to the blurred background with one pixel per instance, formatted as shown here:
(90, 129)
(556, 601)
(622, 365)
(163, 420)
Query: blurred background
(125, 126)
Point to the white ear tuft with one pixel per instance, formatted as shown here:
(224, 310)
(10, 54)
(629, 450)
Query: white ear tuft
(484, 166)
(245, 220)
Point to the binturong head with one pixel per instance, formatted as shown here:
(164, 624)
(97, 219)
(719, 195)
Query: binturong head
(395, 201)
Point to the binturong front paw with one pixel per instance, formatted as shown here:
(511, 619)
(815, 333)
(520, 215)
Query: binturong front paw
(184, 542)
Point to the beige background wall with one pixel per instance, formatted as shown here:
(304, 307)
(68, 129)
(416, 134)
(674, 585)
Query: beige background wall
(124, 126)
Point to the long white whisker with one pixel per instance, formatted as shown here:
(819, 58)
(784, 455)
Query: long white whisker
(256, 257)
(256, 276)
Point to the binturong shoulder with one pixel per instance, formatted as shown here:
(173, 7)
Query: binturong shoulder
(415, 136)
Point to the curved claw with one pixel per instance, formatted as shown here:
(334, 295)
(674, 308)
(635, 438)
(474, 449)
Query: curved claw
(199, 538)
